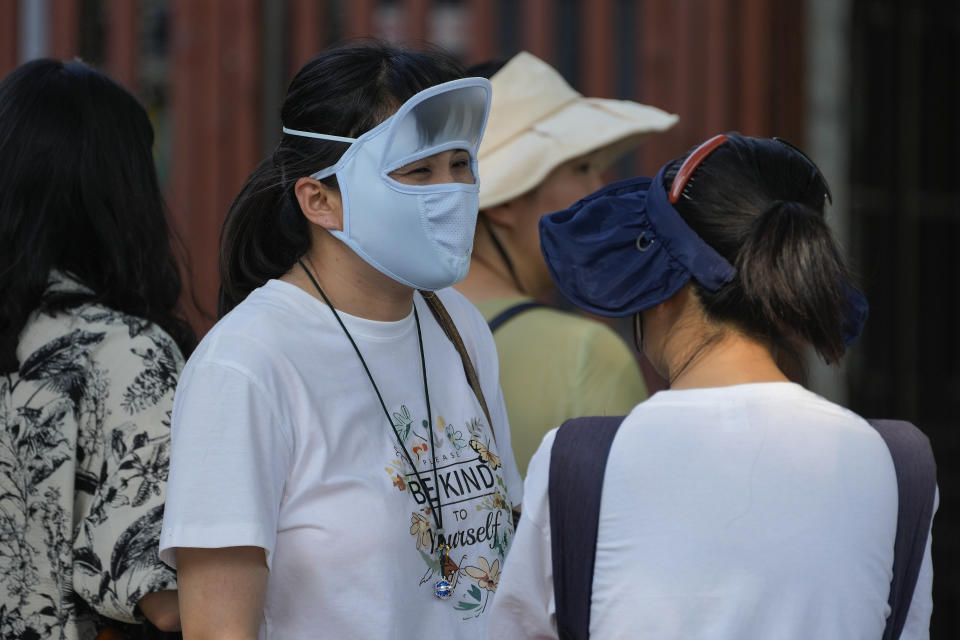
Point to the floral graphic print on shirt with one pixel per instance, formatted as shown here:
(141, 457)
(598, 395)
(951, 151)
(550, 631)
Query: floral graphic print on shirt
(476, 511)
(84, 451)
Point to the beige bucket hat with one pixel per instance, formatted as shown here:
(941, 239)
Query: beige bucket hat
(538, 122)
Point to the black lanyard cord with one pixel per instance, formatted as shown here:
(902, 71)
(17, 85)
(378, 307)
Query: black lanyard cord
(435, 510)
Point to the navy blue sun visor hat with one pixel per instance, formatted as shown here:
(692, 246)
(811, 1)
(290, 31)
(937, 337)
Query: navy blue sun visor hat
(625, 249)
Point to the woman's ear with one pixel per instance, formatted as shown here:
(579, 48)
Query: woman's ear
(502, 215)
(320, 203)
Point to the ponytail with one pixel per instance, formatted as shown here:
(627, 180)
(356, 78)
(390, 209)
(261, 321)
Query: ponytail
(792, 276)
(760, 204)
(263, 235)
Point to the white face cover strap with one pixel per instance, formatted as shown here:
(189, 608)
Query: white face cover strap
(321, 136)
(419, 235)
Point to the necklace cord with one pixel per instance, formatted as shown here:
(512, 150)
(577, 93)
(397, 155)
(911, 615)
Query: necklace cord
(433, 448)
(503, 254)
(435, 511)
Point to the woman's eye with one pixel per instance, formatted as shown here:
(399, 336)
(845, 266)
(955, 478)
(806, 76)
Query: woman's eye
(582, 168)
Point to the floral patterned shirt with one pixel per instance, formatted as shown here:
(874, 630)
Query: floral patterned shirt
(84, 451)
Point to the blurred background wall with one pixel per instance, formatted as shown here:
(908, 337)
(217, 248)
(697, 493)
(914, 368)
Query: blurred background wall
(867, 87)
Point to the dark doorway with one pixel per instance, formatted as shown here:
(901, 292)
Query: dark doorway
(905, 221)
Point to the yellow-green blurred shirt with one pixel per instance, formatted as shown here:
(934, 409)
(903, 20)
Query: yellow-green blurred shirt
(556, 365)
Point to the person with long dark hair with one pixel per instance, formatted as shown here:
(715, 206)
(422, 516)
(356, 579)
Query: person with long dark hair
(736, 503)
(91, 344)
(341, 461)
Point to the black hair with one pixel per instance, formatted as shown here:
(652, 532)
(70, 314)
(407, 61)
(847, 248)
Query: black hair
(79, 194)
(344, 91)
(488, 68)
(760, 203)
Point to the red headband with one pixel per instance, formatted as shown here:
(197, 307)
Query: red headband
(691, 163)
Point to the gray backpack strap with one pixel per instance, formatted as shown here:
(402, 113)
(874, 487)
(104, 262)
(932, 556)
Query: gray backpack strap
(916, 484)
(578, 460)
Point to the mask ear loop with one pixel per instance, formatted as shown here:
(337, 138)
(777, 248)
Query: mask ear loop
(638, 332)
(691, 163)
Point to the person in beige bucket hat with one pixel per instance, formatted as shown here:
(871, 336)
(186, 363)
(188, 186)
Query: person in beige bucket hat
(545, 147)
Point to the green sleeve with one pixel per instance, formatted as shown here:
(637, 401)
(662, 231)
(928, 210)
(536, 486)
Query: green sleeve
(609, 380)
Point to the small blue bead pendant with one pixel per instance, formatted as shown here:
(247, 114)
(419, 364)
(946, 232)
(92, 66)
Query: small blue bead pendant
(443, 589)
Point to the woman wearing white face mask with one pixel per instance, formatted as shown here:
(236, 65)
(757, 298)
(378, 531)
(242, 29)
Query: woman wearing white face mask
(341, 461)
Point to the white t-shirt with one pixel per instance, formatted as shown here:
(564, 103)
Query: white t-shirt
(279, 441)
(751, 511)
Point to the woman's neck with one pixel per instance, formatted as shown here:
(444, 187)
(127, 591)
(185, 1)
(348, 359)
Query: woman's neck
(352, 285)
(487, 280)
(489, 277)
(691, 351)
(729, 358)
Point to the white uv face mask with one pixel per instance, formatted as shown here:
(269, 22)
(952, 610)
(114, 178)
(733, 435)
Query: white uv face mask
(418, 235)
